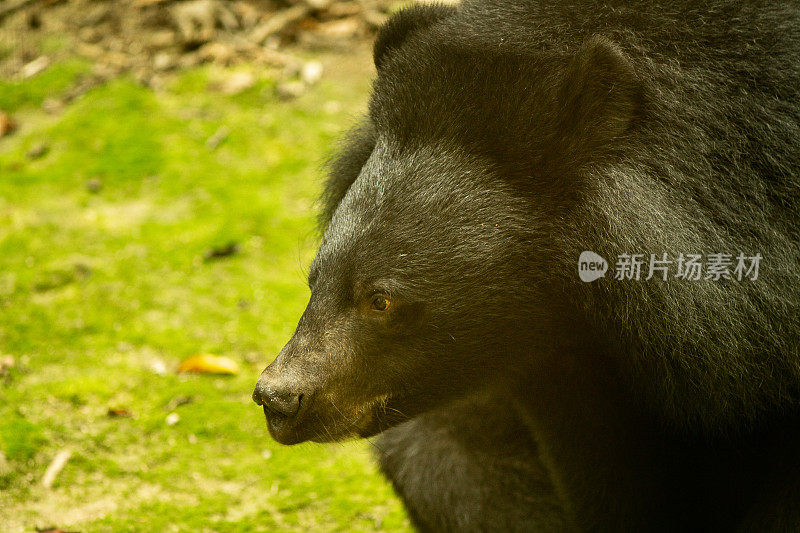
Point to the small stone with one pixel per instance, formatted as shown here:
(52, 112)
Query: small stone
(173, 418)
(311, 72)
(289, 90)
(266, 454)
(37, 151)
(158, 367)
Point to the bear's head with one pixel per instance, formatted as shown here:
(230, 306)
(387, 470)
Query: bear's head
(430, 279)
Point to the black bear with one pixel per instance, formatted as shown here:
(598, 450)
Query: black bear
(560, 270)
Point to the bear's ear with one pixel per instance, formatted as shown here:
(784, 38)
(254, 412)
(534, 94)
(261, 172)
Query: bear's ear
(599, 96)
(406, 21)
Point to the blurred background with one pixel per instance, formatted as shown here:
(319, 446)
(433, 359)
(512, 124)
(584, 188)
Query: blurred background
(159, 164)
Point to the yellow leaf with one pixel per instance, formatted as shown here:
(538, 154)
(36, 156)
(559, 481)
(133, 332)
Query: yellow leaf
(207, 363)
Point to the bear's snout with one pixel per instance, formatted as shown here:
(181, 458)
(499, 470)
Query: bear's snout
(277, 399)
(284, 406)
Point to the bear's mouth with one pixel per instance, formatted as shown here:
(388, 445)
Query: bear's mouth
(287, 429)
(282, 428)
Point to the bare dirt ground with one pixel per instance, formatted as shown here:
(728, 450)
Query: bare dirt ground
(152, 38)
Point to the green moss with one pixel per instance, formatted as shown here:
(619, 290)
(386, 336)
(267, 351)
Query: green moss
(52, 81)
(98, 286)
(19, 438)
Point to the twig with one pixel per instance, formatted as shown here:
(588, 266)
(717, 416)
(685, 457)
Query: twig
(278, 22)
(58, 463)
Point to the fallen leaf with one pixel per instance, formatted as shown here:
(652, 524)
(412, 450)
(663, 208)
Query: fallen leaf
(226, 250)
(7, 124)
(209, 364)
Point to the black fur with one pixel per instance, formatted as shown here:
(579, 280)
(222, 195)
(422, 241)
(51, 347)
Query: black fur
(344, 168)
(503, 139)
(471, 466)
(397, 29)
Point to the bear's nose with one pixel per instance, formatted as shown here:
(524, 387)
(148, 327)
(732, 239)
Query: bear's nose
(276, 400)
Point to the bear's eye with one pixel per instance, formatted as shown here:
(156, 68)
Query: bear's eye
(380, 303)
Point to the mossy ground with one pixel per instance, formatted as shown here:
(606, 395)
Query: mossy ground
(99, 287)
